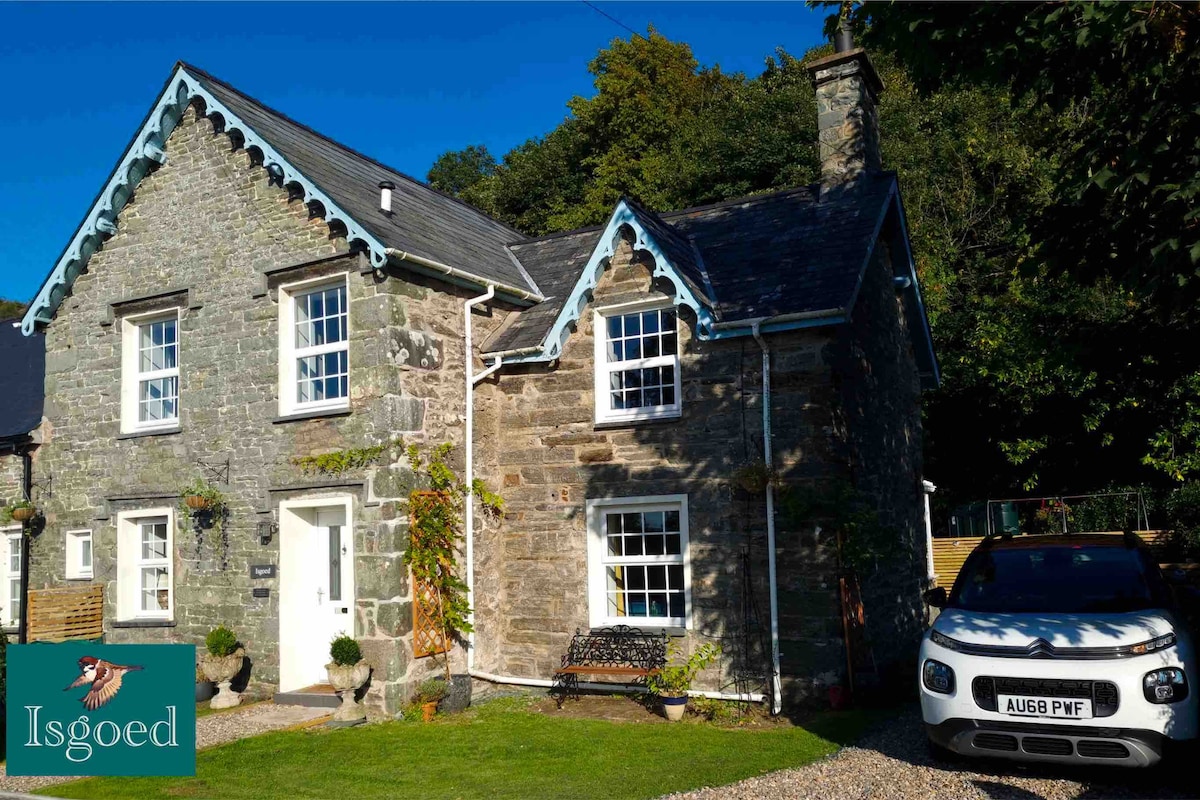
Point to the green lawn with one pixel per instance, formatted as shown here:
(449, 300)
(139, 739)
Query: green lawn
(496, 751)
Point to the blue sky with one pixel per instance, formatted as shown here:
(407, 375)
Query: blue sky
(402, 82)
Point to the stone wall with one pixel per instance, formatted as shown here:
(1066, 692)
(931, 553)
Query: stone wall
(551, 456)
(880, 393)
(209, 226)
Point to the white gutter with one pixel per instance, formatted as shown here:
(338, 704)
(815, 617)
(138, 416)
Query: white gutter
(927, 489)
(516, 351)
(454, 272)
(609, 688)
(469, 522)
(756, 322)
(776, 685)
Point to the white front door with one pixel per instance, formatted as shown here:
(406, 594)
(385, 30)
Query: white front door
(316, 589)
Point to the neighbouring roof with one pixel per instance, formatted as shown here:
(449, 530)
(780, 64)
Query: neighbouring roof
(789, 252)
(23, 365)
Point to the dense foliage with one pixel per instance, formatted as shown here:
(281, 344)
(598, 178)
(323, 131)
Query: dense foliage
(220, 642)
(345, 651)
(1056, 289)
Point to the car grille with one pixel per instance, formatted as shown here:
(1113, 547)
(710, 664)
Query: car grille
(1095, 748)
(1103, 694)
(995, 741)
(1047, 745)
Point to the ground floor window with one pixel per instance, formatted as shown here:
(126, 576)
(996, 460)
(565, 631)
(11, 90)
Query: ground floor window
(145, 575)
(638, 563)
(10, 577)
(79, 555)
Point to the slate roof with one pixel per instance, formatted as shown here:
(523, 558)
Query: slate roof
(789, 252)
(23, 365)
(424, 221)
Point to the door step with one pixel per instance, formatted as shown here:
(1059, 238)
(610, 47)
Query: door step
(318, 695)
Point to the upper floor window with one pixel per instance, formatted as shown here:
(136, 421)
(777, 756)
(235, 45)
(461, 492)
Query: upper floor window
(314, 347)
(150, 372)
(79, 555)
(637, 364)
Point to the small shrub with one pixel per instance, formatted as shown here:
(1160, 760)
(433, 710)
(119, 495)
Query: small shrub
(345, 651)
(431, 690)
(674, 680)
(1183, 515)
(220, 641)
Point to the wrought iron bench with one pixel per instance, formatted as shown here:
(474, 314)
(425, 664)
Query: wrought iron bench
(620, 651)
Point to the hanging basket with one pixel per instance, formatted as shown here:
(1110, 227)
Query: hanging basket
(196, 502)
(24, 514)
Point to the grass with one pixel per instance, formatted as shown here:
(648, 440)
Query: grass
(497, 751)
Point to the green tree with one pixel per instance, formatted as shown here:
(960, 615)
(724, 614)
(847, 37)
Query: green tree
(11, 308)
(458, 170)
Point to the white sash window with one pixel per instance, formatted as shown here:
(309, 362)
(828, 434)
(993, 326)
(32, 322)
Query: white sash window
(314, 347)
(637, 364)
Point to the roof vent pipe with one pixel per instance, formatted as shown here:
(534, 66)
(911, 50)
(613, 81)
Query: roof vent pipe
(385, 196)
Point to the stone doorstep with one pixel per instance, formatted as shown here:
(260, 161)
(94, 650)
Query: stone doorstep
(318, 696)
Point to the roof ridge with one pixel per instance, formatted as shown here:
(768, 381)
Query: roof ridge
(403, 175)
(558, 235)
(736, 201)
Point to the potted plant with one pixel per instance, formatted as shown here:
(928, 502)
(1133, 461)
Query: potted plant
(22, 510)
(429, 694)
(221, 663)
(347, 673)
(671, 683)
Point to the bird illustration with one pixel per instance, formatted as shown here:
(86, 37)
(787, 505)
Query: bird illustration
(104, 678)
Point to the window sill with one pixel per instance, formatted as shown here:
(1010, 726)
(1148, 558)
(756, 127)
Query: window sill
(610, 424)
(674, 631)
(318, 413)
(143, 623)
(79, 578)
(150, 432)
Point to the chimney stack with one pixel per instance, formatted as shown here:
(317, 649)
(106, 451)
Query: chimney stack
(847, 89)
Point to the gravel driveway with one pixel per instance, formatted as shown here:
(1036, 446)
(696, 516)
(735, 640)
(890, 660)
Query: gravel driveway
(893, 763)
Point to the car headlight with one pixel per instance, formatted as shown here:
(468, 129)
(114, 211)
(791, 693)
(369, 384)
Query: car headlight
(1159, 643)
(937, 677)
(944, 641)
(1166, 685)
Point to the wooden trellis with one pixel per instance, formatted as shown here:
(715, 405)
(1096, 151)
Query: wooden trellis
(428, 637)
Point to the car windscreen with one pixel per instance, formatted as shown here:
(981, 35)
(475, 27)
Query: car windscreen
(1058, 579)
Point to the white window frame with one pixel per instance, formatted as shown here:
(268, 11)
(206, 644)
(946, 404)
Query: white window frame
(132, 376)
(76, 570)
(289, 353)
(599, 560)
(10, 618)
(604, 369)
(130, 563)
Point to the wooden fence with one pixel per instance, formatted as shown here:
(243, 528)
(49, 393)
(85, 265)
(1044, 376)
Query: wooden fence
(72, 612)
(949, 554)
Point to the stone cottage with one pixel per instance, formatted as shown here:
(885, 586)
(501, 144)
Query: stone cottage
(245, 293)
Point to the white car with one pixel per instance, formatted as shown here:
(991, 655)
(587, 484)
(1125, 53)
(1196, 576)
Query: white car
(1058, 648)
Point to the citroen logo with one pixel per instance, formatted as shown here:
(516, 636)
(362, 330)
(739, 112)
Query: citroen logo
(1041, 649)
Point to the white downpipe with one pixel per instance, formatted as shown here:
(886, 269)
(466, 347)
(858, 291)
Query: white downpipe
(609, 688)
(776, 685)
(469, 513)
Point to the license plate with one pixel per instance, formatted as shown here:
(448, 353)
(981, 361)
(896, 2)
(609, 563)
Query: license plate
(1054, 707)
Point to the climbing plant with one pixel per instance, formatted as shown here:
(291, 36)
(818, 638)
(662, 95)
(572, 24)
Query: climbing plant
(436, 531)
(340, 461)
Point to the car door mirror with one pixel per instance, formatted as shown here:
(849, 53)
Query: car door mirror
(936, 597)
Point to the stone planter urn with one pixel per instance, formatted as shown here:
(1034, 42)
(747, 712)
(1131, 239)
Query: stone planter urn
(346, 680)
(221, 671)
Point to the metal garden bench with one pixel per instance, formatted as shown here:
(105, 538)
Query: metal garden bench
(621, 652)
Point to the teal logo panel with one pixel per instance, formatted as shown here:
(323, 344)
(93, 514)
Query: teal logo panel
(77, 708)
